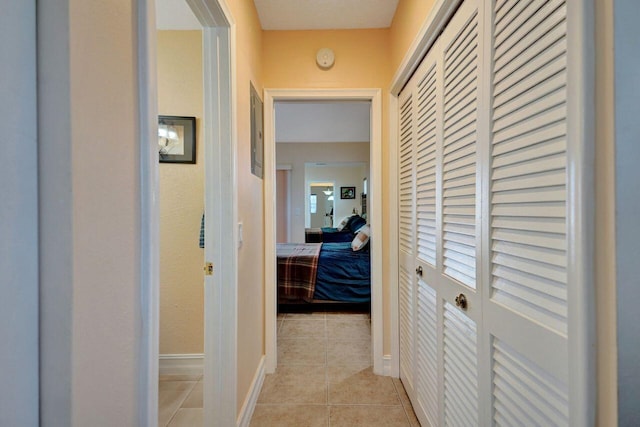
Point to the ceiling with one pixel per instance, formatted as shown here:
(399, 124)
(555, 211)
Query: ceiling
(175, 15)
(305, 121)
(292, 14)
(325, 14)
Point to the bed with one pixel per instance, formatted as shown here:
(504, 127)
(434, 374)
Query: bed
(315, 272)
(350, 226)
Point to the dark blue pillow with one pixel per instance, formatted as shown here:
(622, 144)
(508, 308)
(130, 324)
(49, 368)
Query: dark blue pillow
(355, 222)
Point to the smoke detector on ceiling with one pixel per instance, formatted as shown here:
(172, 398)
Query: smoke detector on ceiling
(325, 58)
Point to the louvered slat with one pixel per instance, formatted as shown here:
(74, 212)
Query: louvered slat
(459, 154)
(460, 369)
(528, 172)
(426, 169)
(406, 231)
(427, 356)
(525, 393)
(406, 325)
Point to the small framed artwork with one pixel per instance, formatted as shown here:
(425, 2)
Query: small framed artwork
(347, 192)
(257, 142)
(177, 139)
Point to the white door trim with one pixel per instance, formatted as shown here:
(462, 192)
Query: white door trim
(149, 215)
(375, 165)
(220, 366)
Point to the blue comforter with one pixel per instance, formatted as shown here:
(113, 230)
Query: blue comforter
(343, 275)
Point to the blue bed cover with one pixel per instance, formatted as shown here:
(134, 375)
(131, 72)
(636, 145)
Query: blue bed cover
(343, 275)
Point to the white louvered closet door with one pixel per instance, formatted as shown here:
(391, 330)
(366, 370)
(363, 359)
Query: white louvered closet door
(485, 190)
(444, 98)
(526, 306)
(428, 94)
(407, 243)
(459, 217)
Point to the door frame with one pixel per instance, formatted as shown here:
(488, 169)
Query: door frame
(220, 140)
(375, 190)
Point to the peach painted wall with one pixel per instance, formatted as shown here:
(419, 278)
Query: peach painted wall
(289, 59)
(409, 17)
(605, 191)
(250, 199)
(180, 93)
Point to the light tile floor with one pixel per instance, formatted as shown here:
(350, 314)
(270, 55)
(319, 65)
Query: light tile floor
(180, 401)
(324, 378)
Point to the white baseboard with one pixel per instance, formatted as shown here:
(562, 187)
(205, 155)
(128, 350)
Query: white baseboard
(386, 366)
(252, 397)
(181, 364)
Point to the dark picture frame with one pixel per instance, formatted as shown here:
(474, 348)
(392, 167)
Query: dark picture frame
(257, 129)
(347, 192)
(177, 139)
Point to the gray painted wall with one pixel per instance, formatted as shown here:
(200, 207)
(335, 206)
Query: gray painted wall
(18, 216)
(627, 137)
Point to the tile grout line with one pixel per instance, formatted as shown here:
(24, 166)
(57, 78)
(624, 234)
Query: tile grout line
(401, 403)
(327, 410)
(181, 403)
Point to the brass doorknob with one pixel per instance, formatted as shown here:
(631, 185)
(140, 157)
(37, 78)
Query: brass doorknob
(461, 301)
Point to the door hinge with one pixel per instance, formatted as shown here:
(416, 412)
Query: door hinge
(208, 269)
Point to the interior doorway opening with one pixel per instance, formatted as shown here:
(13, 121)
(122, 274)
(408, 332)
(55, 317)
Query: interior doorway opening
(217, 138)
(372, 99)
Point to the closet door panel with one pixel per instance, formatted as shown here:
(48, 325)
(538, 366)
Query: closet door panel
(528, 180)
(407, 279)
(428, 92)
(426, 140)
(459, 157)
(460, 218)
(427, 354)
(524, 393)
(526, 308)
(460, 369)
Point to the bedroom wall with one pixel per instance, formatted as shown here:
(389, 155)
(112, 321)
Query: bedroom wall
(180, 93)
(341, 176)
(296, 155)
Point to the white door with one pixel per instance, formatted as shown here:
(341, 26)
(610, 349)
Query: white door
(406, 234)
(484, 230)
(527, 232)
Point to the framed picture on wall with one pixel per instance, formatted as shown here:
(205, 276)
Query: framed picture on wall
(347, 192)
(177, 139)
(257, 142)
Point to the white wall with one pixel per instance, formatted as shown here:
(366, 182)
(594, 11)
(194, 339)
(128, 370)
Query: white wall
(296, 155)
(627, 149)
(350, 175)
(90, 214)
(18, 216)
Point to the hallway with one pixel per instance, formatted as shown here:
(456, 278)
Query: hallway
(324, 377)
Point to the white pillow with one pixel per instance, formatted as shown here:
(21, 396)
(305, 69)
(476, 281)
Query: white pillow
(343, 222)
(362, 238)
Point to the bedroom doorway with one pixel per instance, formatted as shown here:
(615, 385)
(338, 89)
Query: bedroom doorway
(372, 100)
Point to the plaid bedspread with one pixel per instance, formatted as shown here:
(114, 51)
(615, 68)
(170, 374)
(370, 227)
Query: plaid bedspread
(297, 268)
